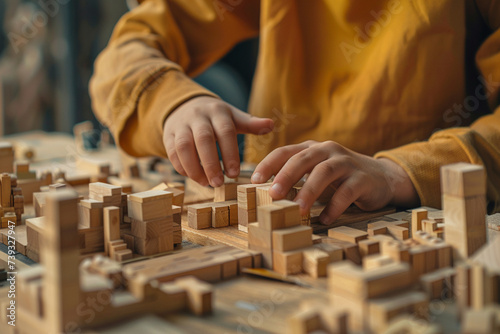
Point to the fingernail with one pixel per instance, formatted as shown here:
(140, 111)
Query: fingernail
(233, 172)
(277, 188)
(217, 181)
(257, 178)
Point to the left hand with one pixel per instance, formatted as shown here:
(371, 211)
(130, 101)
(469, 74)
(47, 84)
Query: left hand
(369, 183)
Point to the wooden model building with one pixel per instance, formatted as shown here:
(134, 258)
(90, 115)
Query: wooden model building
(401, 275)
(51, 294)
(115, 245)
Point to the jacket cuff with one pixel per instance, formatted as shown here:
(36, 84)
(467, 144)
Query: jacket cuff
(422, 162)
(141, 134)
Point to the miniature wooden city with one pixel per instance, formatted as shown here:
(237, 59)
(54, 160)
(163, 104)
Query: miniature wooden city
(123, 248)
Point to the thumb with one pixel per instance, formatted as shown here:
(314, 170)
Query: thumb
(246, 123)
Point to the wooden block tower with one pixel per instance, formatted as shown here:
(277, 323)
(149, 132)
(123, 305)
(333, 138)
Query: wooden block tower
(464, 202)
(152, 221)
(61, 254)
(279, 237)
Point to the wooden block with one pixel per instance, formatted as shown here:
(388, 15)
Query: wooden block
(347, 278)
(199, 295)
(315, 262)
(146, 247)
(291, 213)
(376, 261)
(438, 283)
(22, 167)
(462, 287)
(123, 255)
(247, 198)
(177, 234)
(463, 180)
(263, 197)
(271, 217)
(259, 237)
(398, 232)
(465, 223)
(351, 250)
(292, 238)
(114, 246)
(419, 255)
(128, 239)
(111, 225)
(233, 213)
(368, 247)
(152, 228)
(56, 186)
(104, 189)
(417, 216)
(220, 216)
(287, 263)
(150, 205)
(348, 234)
(226, 192)
(246, 217)
(335, 253)
(383, 310)
(480, 322)
(429, 225)
(90, 213)
(304, 321)
(200, 216)
(6, 189)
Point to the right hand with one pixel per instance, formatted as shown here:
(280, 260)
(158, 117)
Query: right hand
(194, 127)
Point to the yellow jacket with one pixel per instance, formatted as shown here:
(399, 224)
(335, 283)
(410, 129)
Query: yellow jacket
(381, 77)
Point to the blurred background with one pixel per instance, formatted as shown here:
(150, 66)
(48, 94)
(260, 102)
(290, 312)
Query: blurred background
(47, 52)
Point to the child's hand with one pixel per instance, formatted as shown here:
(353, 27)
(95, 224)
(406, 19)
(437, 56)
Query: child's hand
(190, 133)
(369, 183)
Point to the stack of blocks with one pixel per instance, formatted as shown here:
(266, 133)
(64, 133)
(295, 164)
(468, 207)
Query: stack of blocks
(281, 238)
(152, 221)
(252, 196)
(464, 203)
(11, 200)
(221, 213)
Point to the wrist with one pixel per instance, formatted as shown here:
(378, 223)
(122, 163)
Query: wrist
(403, 192)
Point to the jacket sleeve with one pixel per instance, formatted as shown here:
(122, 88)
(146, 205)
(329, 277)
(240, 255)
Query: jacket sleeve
(477, 144)
(143, 73)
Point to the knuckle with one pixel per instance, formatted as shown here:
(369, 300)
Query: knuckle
(332, 146)
(286, 176)
(326, 169)
(345, 160)
(226, 130)
(204, 135)
(183, 144)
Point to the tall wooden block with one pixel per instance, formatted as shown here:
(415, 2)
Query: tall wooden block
(465, 220)
(315, 262)
(263, 197)
(6, 189)
(60, 256)
(368, 247)
(463, 180)
(417, 216)
(111, 226)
